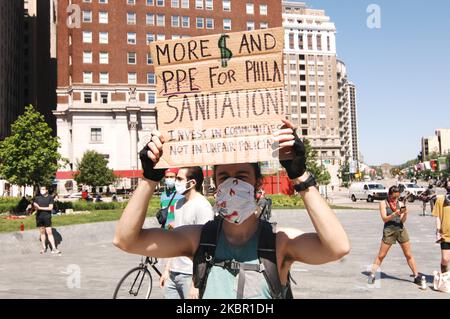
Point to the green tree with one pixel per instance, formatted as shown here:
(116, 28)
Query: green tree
(30, 155)
(322, 175)
(93, 170)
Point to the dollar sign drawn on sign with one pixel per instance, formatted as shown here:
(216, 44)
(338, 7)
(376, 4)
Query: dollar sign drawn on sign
(225, 53)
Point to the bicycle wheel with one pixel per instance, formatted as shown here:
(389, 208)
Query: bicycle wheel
(136, 284)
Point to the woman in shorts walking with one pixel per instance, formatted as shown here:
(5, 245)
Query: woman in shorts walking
(394, 214)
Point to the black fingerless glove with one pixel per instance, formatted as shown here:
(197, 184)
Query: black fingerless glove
(297, 166)
(148, 166)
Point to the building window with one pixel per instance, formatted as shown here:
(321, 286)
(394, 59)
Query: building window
(310, 42)
(150, 19)
(209, 4)
(103, 17)
(185, 22)
(149, 59)
(87, 77)
(131, 37)
(104, 58)
(263, 25)
(175, 3)
(185, 4)
(103, 37)
(150, 2)
(227, 24)
(198, 4)
(263, 9)
(87, 16)
(160, 20)
(87, 57)
(250, 8)
(131, 18)
(160, 3)
(96, 134)
(300, 42)
(103, 1)
(319, 42)
(226, 4)
(104, 97)
(160, 37)
(104, 77)
(131, 2)
(291, 41)
(176, 21)
(250, 25)
(151, 98)
(131, 57)
(87, 97)
(87, 37)
(209, 23)
(151, 78)
(200, 22)
(150, 38)
(132, 78)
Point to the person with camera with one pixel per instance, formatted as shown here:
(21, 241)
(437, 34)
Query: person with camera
(394, 214)
(192, 209)
(442, 213)
(237, 239)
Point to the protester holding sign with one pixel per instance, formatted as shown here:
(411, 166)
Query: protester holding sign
(243, 238)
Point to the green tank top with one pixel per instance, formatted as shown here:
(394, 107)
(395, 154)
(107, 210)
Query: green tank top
(222, 283)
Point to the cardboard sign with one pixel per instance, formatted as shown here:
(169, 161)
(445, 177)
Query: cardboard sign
(220, 97)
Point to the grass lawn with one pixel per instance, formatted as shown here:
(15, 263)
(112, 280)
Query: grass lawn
(64, 220)
(108, 215)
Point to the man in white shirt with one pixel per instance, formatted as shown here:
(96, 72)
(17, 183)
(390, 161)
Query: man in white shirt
(193, 209)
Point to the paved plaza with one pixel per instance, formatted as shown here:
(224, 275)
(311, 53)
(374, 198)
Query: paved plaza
(90, 266)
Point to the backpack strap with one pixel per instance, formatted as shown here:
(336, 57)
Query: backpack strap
(268, 257)
(204, 257)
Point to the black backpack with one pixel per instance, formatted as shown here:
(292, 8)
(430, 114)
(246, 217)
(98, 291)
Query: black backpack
(204, 259)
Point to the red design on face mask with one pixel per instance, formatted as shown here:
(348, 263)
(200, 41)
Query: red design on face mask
(231, 216)
(236, 181)
(222, 204)
(232, 192)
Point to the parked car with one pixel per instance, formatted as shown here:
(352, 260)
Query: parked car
(368, 191)
(410, 190)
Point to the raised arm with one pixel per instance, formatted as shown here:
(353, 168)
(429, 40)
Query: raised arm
(130, 236)
(330, 242)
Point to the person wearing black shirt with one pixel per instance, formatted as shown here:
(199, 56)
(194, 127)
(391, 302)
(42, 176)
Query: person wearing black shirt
(44, 206)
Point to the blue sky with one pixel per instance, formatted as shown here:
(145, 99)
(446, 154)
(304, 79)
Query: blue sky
(402, 72)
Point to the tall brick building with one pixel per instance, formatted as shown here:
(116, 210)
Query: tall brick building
(106, 82)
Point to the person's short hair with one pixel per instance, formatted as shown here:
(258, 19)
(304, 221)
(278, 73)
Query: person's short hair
(394, 189)
(196, 173)
(256, 168)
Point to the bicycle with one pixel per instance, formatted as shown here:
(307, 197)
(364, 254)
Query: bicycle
(138, 277)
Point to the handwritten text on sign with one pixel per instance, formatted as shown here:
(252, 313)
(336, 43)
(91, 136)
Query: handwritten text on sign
(220, 97)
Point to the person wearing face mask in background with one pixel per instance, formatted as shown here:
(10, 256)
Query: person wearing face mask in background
(247, 257)
(394, 214)
(442, 213)
(192, 209)
(169, 197)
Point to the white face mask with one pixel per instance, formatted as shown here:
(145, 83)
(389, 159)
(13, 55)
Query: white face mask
(180, 187)
(170, 182)
(235, 200)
